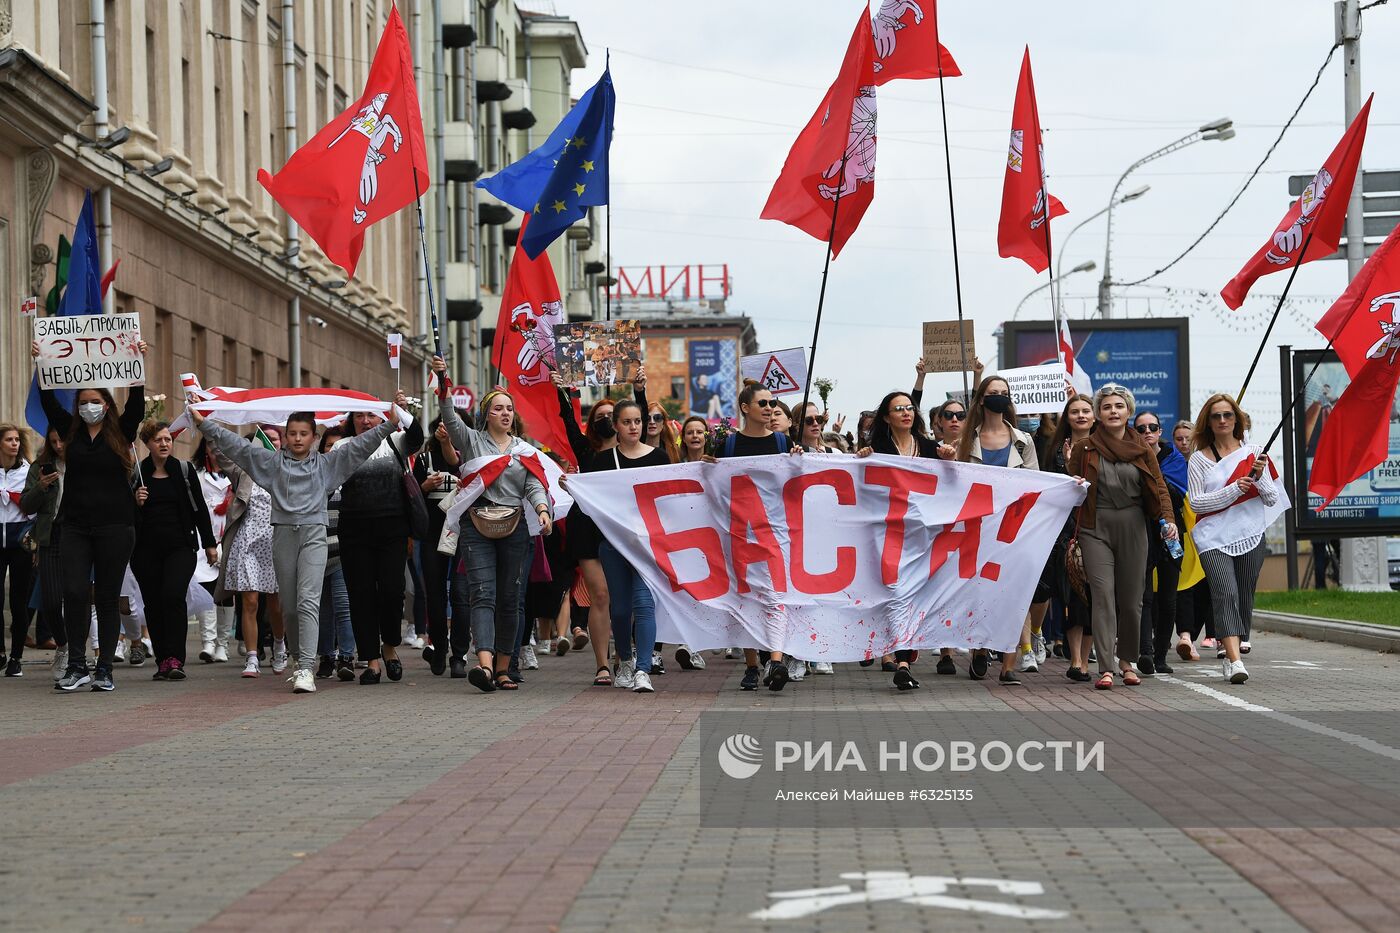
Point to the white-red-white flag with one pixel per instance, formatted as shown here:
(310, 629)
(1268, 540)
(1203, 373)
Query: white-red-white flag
(395, 346)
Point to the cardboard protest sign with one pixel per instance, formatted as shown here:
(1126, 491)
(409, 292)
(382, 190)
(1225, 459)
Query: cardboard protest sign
(1038, 389)
(781, 371)
(598, 353)
(943, 350)
(83, 351)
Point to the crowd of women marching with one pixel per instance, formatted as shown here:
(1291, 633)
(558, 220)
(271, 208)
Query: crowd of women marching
(328, 551)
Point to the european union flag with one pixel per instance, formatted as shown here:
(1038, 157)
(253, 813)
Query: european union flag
(561, 179)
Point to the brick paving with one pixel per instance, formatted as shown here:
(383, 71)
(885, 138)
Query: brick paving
(231, 804)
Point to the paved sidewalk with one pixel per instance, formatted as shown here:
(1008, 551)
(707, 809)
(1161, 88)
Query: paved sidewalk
(424, 805)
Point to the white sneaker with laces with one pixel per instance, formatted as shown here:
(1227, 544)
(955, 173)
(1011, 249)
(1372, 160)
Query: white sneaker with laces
(697, 660)
(1038, 647)
(1238, 674)
(657, 662)
(625, 674)
(60, 663)
(1226, 668)
(220, 654)
(1028, 665)
(797, 670)
(822, 667)
(641, 683)
(121, 649)
(529, 661)
(303, 681)
(279, 655)
(413, 641)
(250, 667)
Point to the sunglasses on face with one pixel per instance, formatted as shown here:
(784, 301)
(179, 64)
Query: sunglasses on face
(815, 419)
(657, 418)
(1222, 416)
(1148, 428)
(954, 416)
(901, 408)
(766, 403)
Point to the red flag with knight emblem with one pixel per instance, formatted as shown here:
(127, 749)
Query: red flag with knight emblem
(834, 152)
(1022, 233)
(360, 168)
(907, 43)
(1364, 327)
(523, 349)
(1320, 213)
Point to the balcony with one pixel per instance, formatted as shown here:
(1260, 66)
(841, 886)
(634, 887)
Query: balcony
(460, 292)
(459, 144)
(491, 210)
(491, 73)
(579, 305)
(515, 112)
(457, 31)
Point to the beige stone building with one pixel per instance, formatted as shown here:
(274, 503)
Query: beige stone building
(197, 101)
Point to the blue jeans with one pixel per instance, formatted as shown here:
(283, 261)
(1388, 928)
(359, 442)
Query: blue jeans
(496, 571)
(337, 634)
(631, 604)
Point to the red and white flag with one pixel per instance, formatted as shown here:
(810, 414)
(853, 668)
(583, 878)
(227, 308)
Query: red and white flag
(1315, 219)
(835, 152)
(1064, 346)
(481, 472)
(1023, 232)
(272, 406)
(364, 165)
(395, 346)
(1364, 327)
(907, 43)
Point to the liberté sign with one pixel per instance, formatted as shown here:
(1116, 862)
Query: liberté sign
(676, 282)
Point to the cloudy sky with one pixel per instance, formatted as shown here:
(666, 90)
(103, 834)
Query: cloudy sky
(710, 97)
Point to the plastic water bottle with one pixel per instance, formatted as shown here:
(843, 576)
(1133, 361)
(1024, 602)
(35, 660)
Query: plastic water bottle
(1173, 545)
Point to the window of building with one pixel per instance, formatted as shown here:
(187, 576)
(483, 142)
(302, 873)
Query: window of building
(187, 102)
(199, 351)
(677, 350)
(678, 388)
(153, 60)
(229, 363)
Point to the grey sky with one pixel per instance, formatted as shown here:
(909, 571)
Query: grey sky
(711, 96)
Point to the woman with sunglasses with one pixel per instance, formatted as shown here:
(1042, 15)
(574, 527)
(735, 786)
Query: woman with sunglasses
(1124, 482)
(808, 432)
(1076, 421)
(1159, 601)
(756, 438)
(946, 425)
(660, 434)
(992, 438)
(1232, 569)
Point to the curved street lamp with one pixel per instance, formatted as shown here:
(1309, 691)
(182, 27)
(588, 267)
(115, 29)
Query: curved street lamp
(1089, 266)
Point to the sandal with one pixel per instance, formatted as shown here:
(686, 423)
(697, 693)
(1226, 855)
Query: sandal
(1105, 682)
(480, 678)
(603, 678)
(1131, 679)
(505, 682)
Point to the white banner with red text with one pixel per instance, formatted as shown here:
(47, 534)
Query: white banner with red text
(832, 558)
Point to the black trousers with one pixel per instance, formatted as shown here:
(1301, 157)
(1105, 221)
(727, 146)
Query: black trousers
(1194, 612)
(17, 564)
(1159, 608)
(437, 581)
(51, 588)
(374, 567)
(164, 577)
(94, 563)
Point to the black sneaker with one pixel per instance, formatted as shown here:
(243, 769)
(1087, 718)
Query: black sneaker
(459, 669)
(1162, 666)
(437, 660)
(1009, 678)
(978, 668)
(136, 656)
(750, 681)
(1146, 667)
(325, 670)
(946, 665)
(683, 658)
(12, 668)
(777, 676)
(102, 680)
(658, 667)
(345, 669)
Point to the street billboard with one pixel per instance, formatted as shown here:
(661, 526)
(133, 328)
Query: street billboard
(713, 379)
(1150, 356)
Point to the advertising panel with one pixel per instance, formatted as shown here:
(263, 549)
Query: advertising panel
(713, 379)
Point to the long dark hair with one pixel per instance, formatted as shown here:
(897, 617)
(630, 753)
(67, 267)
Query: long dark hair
(977, 414)
(881, 438)
(111, 430)
(1062, 430)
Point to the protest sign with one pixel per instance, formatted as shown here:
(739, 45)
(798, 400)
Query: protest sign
(833, 558)
(1038, 389)
(81, 351)
(943, 349)
(598, 353)
(781, 371)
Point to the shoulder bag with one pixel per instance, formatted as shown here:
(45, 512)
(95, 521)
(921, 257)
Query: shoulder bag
(414, 503)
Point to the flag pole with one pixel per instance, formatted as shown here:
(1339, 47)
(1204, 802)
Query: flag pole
(1312, 228)
(607, 207)
(821, 297)
(952, 212)
(1293, 403)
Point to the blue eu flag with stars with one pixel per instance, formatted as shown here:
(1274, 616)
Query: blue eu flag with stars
(560, 180)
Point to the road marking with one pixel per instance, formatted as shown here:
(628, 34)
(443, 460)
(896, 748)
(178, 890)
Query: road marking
(919, 890)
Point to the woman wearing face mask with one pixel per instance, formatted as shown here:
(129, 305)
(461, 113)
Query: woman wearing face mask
(496, 566)
(43, 490)
(98, 518)
(992, 438)
(15, 561)
(1076, 421)
(373, 533)
(1232, 566)
(1124, 482)
(755, 439)
(633, 608)
(1159, 600)
(172, 521)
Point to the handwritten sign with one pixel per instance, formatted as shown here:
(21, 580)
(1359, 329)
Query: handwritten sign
(82, 351)
(1038, 389)
(943, 348)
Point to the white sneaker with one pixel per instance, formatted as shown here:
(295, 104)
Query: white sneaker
(1226, 669)
(658, 663)
(121, 649)
(1038, 647)
(797, 670)
(1028, 665)
(250, 668)
(303, 681)
(206, 653)
(528, 659)
(822, 667)
(641, 683)
(279, 655)
(220, 654)
(625, 674)
(731, 653)
(413, 641)
(1238, 674)
(697, 660)
(60, 663)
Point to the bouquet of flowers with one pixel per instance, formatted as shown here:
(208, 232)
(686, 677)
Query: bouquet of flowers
(155, 408)
(824, 387)
(718, 435)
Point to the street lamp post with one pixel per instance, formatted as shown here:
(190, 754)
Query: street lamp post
(1089, 266)
(1130, 196)
(1216, 130)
